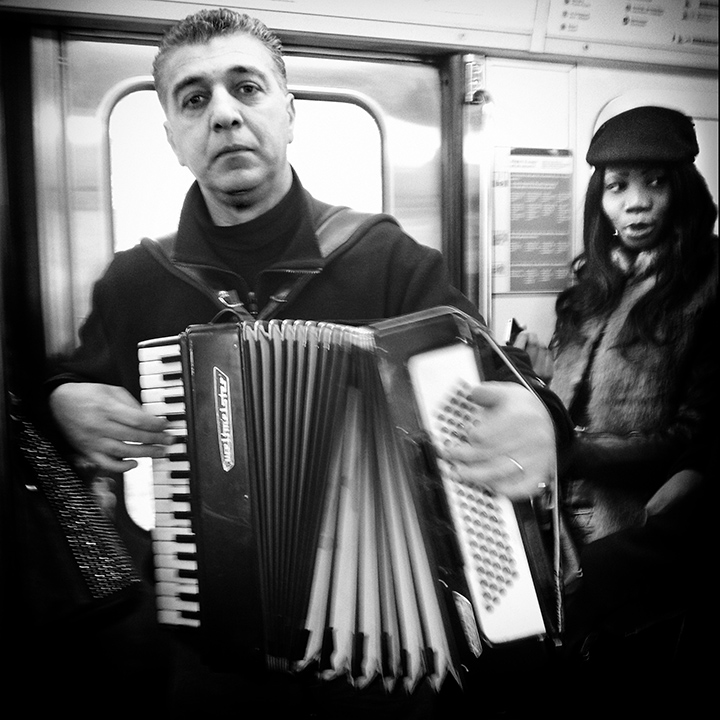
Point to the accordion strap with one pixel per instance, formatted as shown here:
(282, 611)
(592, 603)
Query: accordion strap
(337, 229)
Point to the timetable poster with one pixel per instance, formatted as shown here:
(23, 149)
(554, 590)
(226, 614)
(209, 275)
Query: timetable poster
(532, 212)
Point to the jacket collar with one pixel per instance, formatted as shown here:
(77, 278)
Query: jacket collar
(302, 254)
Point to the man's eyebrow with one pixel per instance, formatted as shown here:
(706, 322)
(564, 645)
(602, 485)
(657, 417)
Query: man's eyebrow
(186, 82)
(199, 79)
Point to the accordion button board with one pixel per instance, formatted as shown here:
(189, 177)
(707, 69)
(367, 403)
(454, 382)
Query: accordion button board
(498, 573)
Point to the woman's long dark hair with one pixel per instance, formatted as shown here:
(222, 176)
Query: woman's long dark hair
(686, 257)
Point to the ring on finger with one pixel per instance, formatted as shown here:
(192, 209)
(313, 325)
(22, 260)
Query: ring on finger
(516, 463)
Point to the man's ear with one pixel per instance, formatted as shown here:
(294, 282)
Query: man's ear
(291, 116)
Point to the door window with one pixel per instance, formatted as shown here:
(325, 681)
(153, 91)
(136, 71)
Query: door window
(337, 152)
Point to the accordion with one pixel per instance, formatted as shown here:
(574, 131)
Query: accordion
(305, 520)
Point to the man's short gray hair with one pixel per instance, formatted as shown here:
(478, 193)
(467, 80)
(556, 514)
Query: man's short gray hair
(201, 27)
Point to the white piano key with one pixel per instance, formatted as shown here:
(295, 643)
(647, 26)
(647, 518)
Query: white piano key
(158, 380)
(158, 349)
(165, 465)
(175, 414)
(166, 483)
(169, 602)
(163, 505)
(170, 561)
(174, 617)
(167, 491)
(168, 547)
(174, 534)
(187, 592)
(172, 575)
(170, 520)
(161, 394)
(160, 367)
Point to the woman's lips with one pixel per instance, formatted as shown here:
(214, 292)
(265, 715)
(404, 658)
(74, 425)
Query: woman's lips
(638, 230)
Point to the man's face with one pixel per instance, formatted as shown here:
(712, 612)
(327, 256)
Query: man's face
(230, 120)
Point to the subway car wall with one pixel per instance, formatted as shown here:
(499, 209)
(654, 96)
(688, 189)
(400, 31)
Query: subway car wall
(443, 106)
(437, 158)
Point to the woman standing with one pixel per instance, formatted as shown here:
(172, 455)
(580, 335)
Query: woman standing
(633, 355)
(633, 358)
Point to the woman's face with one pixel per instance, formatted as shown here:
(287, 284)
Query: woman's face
(636, 200)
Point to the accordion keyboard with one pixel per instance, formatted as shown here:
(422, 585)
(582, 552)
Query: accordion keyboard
(162, 394)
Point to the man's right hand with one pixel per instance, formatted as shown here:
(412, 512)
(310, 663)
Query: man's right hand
(107, 426)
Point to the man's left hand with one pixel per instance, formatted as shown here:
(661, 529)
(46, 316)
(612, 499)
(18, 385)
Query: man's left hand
(510, 446)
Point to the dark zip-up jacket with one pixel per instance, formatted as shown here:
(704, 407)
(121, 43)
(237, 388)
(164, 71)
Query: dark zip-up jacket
(383, 274)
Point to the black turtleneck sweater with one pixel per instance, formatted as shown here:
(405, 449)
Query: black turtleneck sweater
(247, 249)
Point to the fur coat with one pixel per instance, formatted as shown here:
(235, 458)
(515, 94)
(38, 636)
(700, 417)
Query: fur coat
(645, 407)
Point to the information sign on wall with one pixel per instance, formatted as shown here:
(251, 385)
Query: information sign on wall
(532, 211)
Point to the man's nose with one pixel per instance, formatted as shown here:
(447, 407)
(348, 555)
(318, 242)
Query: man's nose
(225, 110)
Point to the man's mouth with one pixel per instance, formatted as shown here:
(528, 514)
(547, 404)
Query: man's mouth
(232, 150)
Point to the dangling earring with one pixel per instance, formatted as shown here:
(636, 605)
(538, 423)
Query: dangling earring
(615, 233)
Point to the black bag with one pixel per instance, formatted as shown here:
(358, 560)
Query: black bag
(69, 563)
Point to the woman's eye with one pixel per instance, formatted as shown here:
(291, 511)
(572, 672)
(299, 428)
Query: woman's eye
(658, 181)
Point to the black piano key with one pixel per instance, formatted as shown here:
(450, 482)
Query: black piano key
(176, 457)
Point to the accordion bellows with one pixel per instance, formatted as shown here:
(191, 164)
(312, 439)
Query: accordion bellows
(304, 519)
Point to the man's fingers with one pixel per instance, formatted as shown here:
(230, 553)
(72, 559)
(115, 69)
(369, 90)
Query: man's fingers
(109, 463)
(128, 434)
(135, 417)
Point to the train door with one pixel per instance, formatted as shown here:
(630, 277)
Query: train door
(367, 135)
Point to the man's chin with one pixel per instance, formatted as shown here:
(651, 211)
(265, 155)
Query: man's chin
(245, 194)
